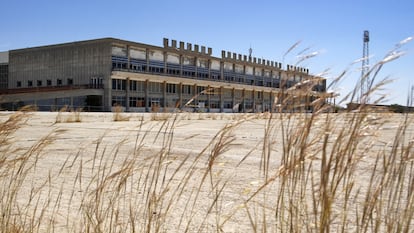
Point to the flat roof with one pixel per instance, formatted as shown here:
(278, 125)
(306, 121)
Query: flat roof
(226, 55)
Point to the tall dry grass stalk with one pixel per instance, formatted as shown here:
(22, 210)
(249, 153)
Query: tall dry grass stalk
(118, 115)
(308, 172)
(64, 117)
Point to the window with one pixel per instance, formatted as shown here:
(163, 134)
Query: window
(202, 75)
(136, 86)
(155, 103)
(215, 91)
(214, 104)
(229, 77)
(228, 104)
(136, 102)
(200, 89)
(227, 93)
(140, 86)
(19, 83)
(49, 82)
(248, 104)
(39, 83)
(238, 93)
(171, 88)
(118, 84)
(70, 81)
(188, 73)
(158, 70)
(118, 101)
(173, 71)
(133, 85)
(154, 87)
(186, 89)
(29, 83)
(240, 79)
(215, 76)
(59, 82)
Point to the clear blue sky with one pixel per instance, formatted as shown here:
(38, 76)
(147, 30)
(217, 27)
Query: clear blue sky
(270, 27)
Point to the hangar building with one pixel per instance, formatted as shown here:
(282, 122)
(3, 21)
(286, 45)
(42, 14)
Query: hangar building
(103, 73)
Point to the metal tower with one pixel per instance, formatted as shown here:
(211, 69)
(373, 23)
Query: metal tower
(365, 80)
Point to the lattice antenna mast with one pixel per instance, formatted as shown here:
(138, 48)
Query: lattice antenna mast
(365, 79)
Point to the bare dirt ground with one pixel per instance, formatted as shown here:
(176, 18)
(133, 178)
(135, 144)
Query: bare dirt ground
(148, 173)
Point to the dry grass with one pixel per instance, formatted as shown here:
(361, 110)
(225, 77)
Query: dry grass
(119, 115)
(66, 115)
(310, 172)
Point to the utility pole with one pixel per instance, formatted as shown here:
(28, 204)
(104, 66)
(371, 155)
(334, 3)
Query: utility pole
(365, 79)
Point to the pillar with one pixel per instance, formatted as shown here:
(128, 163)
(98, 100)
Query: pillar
(164, 96)
(254, 100)
(147, 95)
(233, 99)
(208, 99)
(180, 96)
(129, 57)
(263, 101)
(221, 99)
(127, 95)
(243, 100)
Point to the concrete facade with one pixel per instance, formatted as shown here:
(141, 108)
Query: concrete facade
(4, 70)
(140, 77)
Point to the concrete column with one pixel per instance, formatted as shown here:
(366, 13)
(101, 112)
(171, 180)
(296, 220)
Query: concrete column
(147, 58)
(194, 94)
(221, 99)
(209, 68)
(165, 62)
(271, 97)
(180, 95)
(164, 95)
(181, 65)
(129, 57)
(147, 95)
(244, 74)
(243, 102)
(263, 101)
(222, 70)
(127, 94)
(196, 67)
(208, 99)
(107, 98)
(254, 100)
(271, 78)
(233, 98)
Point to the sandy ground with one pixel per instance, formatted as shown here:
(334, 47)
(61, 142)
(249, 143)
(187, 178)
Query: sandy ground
(120, 174)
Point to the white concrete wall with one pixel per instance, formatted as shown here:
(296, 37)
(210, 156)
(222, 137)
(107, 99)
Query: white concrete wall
(137, 54)
(4, 57)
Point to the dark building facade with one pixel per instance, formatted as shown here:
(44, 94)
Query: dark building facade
(103, 73)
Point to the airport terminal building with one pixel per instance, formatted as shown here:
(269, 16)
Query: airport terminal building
(105, 73)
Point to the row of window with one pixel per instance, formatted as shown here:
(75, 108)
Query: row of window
(120, 60)
(136, 64)
(139, 102)
(173, 69)
(203, 74)
(39, 83)
(171, 88)
(153, 87)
